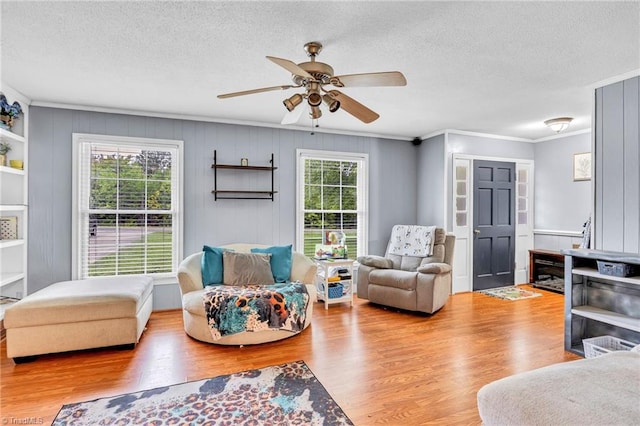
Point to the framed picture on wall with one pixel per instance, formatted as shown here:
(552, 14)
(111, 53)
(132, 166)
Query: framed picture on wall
(582, 166)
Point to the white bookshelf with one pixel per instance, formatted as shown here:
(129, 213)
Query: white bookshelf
(14, 204)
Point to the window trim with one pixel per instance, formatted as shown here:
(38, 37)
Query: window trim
(303, 154)
(80, 138)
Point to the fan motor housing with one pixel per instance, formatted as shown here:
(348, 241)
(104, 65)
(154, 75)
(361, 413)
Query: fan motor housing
(320, 71)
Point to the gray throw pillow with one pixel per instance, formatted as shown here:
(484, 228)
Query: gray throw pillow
(247, 268)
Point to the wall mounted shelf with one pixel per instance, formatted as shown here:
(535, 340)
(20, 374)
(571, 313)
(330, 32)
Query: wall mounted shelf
(242, 194)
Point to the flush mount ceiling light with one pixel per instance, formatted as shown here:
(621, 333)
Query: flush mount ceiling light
(559, 124)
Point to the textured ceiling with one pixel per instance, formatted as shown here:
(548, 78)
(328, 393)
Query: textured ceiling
(492, 67)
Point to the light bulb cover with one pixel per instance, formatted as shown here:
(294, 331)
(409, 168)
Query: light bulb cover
(314, 99)
(292, 102)
(315, 113)
(331, 103)
(558, 124)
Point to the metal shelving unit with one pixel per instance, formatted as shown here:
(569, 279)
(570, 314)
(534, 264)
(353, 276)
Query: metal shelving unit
(242, 194)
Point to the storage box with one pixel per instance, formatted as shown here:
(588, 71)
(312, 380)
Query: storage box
(335, 291)
(596, 346)
(8, 228)
(616, 269)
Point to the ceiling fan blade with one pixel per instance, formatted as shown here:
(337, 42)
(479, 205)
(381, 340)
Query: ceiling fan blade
(293, 116)
(292, 67)
(391, 78)
(354, 107)
(249, 92)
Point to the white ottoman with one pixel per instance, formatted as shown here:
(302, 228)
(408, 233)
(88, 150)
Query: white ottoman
(82, 314)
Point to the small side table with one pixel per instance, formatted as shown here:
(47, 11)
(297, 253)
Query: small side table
(322, 280)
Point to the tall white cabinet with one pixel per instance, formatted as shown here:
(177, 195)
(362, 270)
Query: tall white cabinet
(14, 208)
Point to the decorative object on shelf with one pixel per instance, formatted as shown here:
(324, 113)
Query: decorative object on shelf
(582, 166)
(9, 227)
(244, 162)
(16, 164)
(5, 147)
(8, 112)
(558, 124)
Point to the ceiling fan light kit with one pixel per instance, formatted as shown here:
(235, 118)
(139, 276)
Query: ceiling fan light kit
(558, 124)
(292, 102)
(312, 76)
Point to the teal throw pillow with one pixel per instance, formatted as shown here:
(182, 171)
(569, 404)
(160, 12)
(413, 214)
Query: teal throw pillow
(212, 266)
(281, 261)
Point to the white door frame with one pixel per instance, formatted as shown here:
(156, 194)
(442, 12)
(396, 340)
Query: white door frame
(463, 253)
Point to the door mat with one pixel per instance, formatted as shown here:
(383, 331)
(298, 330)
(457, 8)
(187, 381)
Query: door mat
(510, 293)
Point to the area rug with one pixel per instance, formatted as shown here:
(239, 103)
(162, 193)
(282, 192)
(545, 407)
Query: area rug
(278, 395)
(510, 293)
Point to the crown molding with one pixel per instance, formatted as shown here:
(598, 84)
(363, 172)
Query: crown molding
(487, 135)
(614, 79)
(562, 135)
(212, 120)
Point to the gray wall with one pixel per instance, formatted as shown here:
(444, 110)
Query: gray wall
(431, 184)
(560, 203)
(392, 184)
(617, 159)
(482, 146)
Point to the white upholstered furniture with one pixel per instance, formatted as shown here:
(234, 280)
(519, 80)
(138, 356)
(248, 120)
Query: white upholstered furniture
(594, 391)
(82, 314)
(192, 289)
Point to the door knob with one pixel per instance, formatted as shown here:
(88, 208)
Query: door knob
(476, 231)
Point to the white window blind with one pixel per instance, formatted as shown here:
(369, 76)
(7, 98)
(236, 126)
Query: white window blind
(332, 197)
(127, 206)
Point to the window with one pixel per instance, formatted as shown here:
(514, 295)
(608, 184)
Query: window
(127, 205)
(332, 188)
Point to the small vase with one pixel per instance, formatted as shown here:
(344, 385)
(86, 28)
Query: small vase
(3, 160)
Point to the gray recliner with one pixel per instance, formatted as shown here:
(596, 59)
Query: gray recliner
(408, 282)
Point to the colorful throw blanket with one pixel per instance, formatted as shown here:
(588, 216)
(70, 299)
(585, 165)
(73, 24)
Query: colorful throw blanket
(412, 240)
(234, 309)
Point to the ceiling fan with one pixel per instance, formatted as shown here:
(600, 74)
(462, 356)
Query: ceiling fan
(313, 76)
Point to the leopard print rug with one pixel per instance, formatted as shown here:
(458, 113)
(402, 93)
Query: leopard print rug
(285, 394)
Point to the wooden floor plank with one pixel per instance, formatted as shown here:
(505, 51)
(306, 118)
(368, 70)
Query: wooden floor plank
(382, 366)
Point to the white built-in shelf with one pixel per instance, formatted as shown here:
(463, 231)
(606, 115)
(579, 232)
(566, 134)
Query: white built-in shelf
(12, 208)
(7, 135)
(608, 317)
(7, 278)
(590, 272)
(11, 170)
(11, 243)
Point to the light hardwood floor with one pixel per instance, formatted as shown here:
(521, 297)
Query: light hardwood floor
(380, 365)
